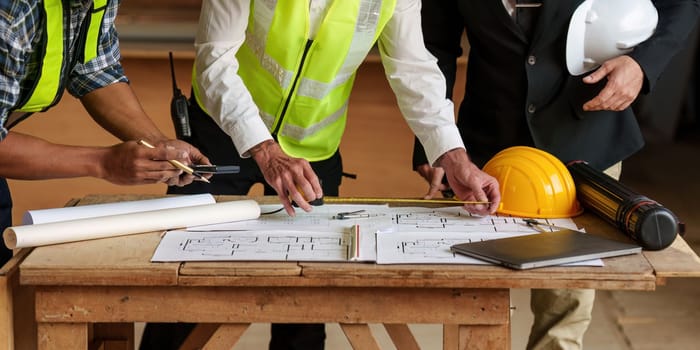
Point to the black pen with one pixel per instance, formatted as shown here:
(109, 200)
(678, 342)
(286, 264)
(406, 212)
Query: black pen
(216, 169)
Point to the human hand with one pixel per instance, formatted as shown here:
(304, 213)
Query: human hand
(292, 178)
(129, 163)
(194, 156)
(625, 79)
(434, 177)
(469, 183)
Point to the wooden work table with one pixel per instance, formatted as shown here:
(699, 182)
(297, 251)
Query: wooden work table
(93, 291)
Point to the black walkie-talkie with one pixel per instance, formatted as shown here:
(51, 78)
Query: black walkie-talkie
(179, 108)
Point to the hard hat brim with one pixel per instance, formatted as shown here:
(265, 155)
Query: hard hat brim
(576, 39)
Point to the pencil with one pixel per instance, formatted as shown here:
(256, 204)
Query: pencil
(178, 165)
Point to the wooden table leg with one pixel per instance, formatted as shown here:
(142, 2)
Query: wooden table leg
(112, 336)
(199, 336)
(401, 336)
(53, 336)
(360, 336)
(450, 336)
(478, 337)
(226, 336)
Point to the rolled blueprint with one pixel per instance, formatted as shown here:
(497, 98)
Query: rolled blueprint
(42, 216)
(131, 223)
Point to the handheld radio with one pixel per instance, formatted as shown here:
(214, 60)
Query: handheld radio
(179, 108)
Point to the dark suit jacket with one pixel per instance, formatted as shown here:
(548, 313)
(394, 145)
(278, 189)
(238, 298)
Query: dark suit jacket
(519, 91)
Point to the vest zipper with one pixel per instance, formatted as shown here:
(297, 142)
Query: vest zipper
(294, 86)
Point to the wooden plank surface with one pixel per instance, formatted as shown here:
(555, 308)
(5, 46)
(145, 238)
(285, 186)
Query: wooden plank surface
(240, 269)
(115, 260)
(279, 305)
(676, 260)
(126, 261)
(628, 272)
(123, 260)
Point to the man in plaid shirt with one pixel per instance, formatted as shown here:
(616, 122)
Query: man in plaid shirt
(52, 45)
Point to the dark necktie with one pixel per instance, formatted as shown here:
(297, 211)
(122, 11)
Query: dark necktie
(526, 12)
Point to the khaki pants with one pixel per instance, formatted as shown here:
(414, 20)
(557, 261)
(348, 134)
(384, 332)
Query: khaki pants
(562, 316)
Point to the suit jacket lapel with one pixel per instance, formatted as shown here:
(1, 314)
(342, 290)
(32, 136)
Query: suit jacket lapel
(553, 19)
(499, 11)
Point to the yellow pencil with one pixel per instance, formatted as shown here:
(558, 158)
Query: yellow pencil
(178, 165)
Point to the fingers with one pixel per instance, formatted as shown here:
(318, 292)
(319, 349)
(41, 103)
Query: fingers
(624, 82)
(168, 151)
(434, 177)
(471, 184)
(287, 204)
(479, 209)
(292, 178)
(436, 185)
(598, 74)
(191, 154)
(313, 185)
(493, 192)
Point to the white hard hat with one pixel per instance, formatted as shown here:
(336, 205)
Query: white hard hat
(603, 29)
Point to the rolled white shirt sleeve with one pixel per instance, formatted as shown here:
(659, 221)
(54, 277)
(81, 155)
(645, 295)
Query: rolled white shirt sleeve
(417, 81)
(221, 32)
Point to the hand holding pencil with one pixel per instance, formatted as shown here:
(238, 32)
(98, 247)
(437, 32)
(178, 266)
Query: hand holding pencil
(179, 164)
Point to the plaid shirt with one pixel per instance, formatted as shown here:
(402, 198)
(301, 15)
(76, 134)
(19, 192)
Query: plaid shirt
(21, 31)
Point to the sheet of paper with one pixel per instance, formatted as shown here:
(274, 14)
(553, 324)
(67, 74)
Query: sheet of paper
(131, 223)
(42, 216)
(456, 219)
(424, 235)
(320, 219)
(254, 246)
(404, 235)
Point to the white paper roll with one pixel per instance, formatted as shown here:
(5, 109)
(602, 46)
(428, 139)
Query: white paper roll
(42, 216)
(126, 224)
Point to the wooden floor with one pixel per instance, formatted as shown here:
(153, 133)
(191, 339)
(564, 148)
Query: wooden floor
(377, 145)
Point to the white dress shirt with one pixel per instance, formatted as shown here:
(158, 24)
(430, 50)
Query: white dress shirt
(412, 72)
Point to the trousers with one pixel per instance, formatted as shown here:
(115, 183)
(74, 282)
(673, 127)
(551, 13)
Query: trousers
(562, 316)
(5, 219)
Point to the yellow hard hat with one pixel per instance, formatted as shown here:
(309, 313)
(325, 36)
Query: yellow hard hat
(533, 184)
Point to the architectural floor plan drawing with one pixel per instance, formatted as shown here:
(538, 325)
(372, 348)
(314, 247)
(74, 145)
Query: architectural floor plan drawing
(403, 235)
(255, 246)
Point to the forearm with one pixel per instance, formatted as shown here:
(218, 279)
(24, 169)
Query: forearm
(220, 90)
(417, 82)
(26, 157)
(116, 108)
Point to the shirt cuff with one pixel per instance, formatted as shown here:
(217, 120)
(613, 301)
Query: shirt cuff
(247, 133)
(439, 142)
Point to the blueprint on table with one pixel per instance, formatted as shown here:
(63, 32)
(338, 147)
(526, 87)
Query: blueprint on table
(398, 235)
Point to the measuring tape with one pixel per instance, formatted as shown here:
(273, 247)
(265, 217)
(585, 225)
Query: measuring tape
(347, 200)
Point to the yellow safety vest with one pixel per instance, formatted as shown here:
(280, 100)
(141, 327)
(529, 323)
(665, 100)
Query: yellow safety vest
(302, 86)
(48, 88)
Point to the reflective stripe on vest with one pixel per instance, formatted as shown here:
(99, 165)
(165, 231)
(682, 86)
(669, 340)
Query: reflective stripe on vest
(316, 92)
(93, 34)
(48, 87)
